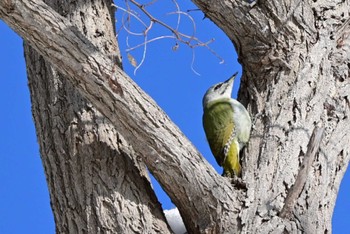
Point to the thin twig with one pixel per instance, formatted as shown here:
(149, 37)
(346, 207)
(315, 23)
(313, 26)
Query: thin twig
(149, 41)
(152, 18)
(144, 48)
(295, 190)
(150, 3)
(130, 13)
(192, 21)
(178, 16)
(192, 63)
(189, 40)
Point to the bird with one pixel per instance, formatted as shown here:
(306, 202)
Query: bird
(227, 126)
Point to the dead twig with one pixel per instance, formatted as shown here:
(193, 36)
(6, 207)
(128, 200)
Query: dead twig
(189, 40)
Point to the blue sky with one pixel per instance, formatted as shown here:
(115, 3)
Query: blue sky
(166, 75)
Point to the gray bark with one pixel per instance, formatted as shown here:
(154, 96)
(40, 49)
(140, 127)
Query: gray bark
(96, 182)
(202, 196)
(295, 56)
(296, 60)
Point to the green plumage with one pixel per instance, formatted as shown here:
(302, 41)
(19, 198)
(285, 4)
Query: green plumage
(227, 126)
(219, 125)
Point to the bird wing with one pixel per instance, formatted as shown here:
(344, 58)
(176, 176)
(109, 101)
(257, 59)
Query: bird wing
(243, 121)
(218, 125)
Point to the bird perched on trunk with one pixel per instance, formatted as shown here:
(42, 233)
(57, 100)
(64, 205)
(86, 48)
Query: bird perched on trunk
(227, 126)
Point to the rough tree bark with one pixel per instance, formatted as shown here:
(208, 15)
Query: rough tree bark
(172, 159)
(96, 182)
(295, 56)
(296, 60)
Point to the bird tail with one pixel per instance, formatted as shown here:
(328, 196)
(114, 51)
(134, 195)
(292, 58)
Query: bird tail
(231, 164)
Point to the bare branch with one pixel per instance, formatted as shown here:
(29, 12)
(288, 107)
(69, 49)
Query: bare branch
(193, 24)
(152, 134)
(129, 12)
(149, 41)
(189, 40)
(143, 55)
(153, 19)
(192, 63)
(178, 16)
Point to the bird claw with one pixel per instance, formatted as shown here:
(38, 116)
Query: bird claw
(237, 182)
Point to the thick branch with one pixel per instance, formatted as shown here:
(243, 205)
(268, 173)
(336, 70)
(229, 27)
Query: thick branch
(168, 154)
(93, 177)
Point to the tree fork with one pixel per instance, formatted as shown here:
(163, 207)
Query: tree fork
(153, 136)
(295, 54)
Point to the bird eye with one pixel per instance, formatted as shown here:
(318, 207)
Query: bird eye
(217, 86)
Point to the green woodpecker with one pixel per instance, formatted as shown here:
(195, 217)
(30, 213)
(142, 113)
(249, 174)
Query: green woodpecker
(227, 126)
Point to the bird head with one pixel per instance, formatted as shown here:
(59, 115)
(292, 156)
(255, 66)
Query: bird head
(220, 90)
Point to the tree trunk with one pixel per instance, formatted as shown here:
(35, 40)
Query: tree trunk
(295, 56)
(96, 182)
(172, 159)
(296, 60)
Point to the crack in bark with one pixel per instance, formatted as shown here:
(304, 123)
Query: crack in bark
(295, 190)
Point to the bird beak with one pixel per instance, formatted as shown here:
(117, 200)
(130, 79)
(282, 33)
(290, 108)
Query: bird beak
(230, 81)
